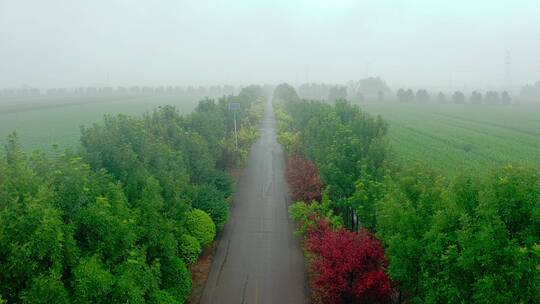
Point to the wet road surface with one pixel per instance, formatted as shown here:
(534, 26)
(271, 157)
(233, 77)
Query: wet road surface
(258, 259)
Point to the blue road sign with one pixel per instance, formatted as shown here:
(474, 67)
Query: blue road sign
(234, 106)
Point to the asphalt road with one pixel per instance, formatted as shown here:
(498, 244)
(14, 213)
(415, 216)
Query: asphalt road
(258, 259)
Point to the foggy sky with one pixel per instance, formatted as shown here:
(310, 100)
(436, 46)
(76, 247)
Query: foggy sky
(46, 43)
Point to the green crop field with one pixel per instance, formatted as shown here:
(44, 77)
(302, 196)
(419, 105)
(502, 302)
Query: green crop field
(463, 138)
(43, 122)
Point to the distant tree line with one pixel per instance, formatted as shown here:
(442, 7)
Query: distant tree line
(120, 219)
(367, 89)
(531, 92)
(374, 89)
(458, 97)
(213, 91)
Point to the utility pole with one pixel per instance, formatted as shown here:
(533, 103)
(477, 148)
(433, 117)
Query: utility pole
(235, 132)
(235, 106)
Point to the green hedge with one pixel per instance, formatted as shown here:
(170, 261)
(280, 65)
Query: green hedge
(175, 278)
(189, 248)
(211, 200)
(200, 225)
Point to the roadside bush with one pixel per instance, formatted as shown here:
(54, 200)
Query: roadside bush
(162, 297)
(307, 215)
(255, 112)
(222, 181)
(348, 267)
(247, 135)
(200, 225)
(290, 141)
(189, 248)
(175, 278)
(211, 200)
(304, 179)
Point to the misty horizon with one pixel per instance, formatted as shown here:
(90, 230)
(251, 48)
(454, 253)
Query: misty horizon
(406, 43)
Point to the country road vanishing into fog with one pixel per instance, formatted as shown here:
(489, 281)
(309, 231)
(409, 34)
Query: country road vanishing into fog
(258, 259)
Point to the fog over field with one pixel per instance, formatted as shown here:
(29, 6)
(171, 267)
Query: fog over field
(65, 43)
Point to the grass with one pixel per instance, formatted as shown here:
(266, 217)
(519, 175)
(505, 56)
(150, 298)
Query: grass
(44, 122)
(458, 139)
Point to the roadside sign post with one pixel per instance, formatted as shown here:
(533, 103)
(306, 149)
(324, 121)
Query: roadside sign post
(235, 132)
(235, 106)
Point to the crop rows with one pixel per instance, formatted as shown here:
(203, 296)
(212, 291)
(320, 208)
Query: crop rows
(455, 139)
(45, 126)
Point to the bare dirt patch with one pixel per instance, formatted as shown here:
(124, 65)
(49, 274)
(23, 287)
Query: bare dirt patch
(200, 271)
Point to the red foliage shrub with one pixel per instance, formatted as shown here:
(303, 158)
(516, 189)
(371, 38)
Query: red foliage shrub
(315, 235)
(348, 267)
(304, 179)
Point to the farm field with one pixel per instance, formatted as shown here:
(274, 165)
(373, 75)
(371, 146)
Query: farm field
(43, 122)
(457, 139)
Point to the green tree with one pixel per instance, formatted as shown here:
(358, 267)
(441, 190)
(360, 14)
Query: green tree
(45, 289)
(92, 282)
(175, 278)
(285, 92)
(32, 237)
(200, 225)
(404, 216)
(135, 279)
(211, 200)
(189, 249)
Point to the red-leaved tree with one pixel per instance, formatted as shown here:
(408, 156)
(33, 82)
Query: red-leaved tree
(347, 267)
(304, 179)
